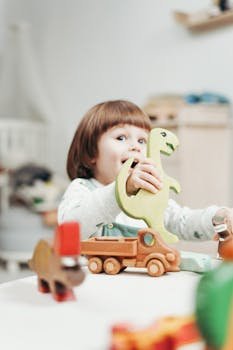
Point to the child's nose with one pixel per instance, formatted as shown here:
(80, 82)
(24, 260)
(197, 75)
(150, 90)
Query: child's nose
(135, 147)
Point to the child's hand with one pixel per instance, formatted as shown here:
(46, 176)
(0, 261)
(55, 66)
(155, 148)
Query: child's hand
(223, 216)
(144, 175)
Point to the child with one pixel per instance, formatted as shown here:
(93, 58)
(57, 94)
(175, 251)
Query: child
(108, 135)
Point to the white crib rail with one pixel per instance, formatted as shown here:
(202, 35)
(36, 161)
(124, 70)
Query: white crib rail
(22, 141)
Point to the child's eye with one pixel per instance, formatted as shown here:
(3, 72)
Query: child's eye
(142, 141)
(121, 138)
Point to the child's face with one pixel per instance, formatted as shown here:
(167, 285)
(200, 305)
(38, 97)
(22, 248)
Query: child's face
(115, 146)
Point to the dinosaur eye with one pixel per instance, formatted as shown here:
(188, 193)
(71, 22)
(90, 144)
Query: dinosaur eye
(163, 133)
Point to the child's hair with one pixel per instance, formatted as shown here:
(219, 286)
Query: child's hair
(95, 122)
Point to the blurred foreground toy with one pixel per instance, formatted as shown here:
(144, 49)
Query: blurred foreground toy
(168, 333)
(211, 328)
(56, 262)
(146, 205)
(214, 307)
(114, 254)
(225, 248)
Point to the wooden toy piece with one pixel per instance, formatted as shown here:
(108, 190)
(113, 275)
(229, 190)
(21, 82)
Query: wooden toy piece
(168, 333)
(114, 254)
(195, 262)
(214, 307)
(225, 245)
(146, 205)
(56, 262)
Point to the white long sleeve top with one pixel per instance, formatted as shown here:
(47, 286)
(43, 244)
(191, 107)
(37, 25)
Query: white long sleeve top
(94, 205)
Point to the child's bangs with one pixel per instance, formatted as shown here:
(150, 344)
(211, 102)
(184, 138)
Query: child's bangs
(139, 120)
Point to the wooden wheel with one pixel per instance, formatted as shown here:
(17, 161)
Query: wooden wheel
(155, 268)
(112, 266)
(95, 265)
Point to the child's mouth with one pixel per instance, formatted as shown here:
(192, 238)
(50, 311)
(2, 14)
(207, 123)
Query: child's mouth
(135, 162)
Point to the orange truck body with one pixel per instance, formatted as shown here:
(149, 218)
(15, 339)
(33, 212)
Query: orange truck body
(114, 254)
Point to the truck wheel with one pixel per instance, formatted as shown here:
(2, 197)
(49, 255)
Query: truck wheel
(155, 268)
(112, 266)
(95, 265)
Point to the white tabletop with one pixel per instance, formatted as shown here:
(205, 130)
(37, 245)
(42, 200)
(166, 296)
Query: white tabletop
(31, 320)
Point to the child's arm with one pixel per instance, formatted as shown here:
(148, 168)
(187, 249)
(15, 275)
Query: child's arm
(90, 208)
(190, 224)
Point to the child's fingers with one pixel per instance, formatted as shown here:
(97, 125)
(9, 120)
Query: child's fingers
(140, 183)
(216, 237)
(152, 180)
(150, 169)
(148, 161)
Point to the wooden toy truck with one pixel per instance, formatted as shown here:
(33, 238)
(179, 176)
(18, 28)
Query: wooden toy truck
(114, 254)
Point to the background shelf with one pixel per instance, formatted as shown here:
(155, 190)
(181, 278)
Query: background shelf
(203, 20)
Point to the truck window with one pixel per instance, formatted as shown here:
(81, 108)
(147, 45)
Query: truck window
(148, 239)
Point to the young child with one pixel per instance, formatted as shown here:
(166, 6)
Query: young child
(108, 135)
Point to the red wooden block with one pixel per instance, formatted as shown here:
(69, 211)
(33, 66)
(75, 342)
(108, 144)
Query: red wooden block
(67, 239)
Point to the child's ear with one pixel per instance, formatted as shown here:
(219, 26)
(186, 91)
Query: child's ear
(93, 161)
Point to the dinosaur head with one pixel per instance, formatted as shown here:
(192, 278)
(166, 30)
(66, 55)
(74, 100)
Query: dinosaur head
(165, 140)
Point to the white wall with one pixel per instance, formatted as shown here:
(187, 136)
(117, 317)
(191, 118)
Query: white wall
(2, 26)
(91, 51)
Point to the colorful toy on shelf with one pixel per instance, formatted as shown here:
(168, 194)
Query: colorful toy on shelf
(225, 245)
(168, 333)
(214, 307)
(114, 254)
(146, 205)
(56, 262)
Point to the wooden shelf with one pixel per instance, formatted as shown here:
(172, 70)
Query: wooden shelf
(202, 20)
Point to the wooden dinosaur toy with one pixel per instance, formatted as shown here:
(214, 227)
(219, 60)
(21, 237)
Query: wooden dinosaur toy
(146, 205)
(56, 262)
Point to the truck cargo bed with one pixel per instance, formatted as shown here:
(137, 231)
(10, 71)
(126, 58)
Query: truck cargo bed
(110, 246)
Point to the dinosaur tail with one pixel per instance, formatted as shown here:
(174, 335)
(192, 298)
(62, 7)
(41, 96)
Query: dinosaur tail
(123, 200)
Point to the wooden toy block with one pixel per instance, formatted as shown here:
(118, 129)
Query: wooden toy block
(56, 263)
(114, 254)
(168, 333)
(146, 205)
(195, 262)
(67, 239)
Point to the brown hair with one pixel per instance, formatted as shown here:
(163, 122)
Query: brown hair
(96, 121)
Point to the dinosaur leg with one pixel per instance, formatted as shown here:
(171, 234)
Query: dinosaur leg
(43, 286)
(62, 293)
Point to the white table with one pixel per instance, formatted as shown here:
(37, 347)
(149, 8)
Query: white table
(31, 320)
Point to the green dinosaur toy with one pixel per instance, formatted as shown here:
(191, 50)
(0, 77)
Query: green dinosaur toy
(146, 205)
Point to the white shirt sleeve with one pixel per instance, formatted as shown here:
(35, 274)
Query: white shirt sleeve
(91, 208)
(190, 224)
